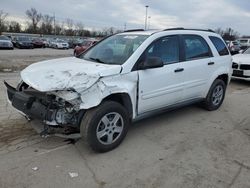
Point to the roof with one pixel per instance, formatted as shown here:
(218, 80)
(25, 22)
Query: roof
(150, 32)
(139, 32)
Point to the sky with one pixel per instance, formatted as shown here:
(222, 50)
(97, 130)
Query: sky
(96, 14)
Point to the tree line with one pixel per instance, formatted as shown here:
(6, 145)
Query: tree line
(44, 24)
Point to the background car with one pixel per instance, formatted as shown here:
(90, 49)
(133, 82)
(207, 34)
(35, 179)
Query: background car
(244, 43)
(23, 42)
(241, 65)
(5, 43)
(234, 47)
(38, 43)
(84, 46)
(59, 44)
(45, 42)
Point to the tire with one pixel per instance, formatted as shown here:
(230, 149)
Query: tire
(100, 119)
(215, 95)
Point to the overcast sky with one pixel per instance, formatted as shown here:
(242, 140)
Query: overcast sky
(164, 13)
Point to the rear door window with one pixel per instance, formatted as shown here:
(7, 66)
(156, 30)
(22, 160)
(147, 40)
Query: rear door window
(195, 47)
(219, 45)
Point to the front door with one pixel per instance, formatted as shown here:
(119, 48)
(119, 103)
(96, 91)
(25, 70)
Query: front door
(161, 87)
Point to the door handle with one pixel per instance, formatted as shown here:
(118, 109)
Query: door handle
(179, 70)
(210, 63)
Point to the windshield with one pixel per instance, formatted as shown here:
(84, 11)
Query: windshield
(115, 49)
(4, 38)
(247, 51)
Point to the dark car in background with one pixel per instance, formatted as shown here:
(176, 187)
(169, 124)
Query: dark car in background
(38, 43)
(22, 42)
(5, 43)
(84, 46)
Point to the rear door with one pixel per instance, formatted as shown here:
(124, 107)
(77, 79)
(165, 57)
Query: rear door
(198, 66)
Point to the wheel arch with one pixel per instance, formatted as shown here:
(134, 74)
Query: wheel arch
(224, 77)
(221, 74)
(123, 99)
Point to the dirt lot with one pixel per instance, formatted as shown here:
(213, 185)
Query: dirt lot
(185, 148)
(17, 59)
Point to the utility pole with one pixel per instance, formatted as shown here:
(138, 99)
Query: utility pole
(149, 21)
(54, 23)
(125, 26)
(146, 17)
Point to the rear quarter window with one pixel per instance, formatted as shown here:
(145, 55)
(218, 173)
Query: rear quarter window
(219, 45)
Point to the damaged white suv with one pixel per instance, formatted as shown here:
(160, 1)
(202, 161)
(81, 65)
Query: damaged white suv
(123, 78)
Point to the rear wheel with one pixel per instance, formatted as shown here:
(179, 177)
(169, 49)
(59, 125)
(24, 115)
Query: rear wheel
(215, 95)
(104, 127)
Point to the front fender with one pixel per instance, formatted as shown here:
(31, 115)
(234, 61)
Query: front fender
(107, 86)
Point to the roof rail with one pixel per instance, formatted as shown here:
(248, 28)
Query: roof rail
(132, 30)
(181, 28)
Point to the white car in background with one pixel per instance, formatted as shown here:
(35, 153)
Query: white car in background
(5, 43)
(241, 65)
(60, 44)
(234, 46)
(244, 43)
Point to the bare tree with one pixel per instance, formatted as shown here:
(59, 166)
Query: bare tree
(47, 24)
(69, 27)
(219, 31)
(59, 29)
(35, 18)
(228, 33)
(14, 27)
(3, 16)
(80, 29)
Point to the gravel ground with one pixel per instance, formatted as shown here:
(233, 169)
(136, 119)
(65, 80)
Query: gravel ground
(185, 148)
(18, 59)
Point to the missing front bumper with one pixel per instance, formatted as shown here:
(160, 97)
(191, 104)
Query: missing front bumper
(27, 104)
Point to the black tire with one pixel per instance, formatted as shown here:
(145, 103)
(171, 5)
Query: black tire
(93, 121)
(212, 102)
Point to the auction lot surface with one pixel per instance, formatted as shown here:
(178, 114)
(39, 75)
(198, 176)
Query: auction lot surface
(189, 147)
(20, 58)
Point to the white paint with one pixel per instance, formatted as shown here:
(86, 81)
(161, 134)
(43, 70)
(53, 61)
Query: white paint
(65, 74)
(85, 84)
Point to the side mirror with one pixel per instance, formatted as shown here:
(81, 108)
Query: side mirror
(151, 62)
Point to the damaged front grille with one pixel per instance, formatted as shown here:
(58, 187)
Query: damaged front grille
(40, 105)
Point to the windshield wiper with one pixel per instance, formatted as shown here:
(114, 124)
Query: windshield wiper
(97, 60)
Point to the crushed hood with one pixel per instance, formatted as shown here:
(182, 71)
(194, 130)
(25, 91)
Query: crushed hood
(241, 58)
(66, 73)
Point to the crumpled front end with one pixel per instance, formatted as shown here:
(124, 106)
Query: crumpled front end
(46, 107)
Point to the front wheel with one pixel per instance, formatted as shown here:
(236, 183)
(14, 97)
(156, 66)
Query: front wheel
(104, 127)
(215, 95)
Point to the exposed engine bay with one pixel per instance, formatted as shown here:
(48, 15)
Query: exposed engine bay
(47, 107)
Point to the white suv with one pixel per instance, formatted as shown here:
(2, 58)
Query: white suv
(123, 78)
